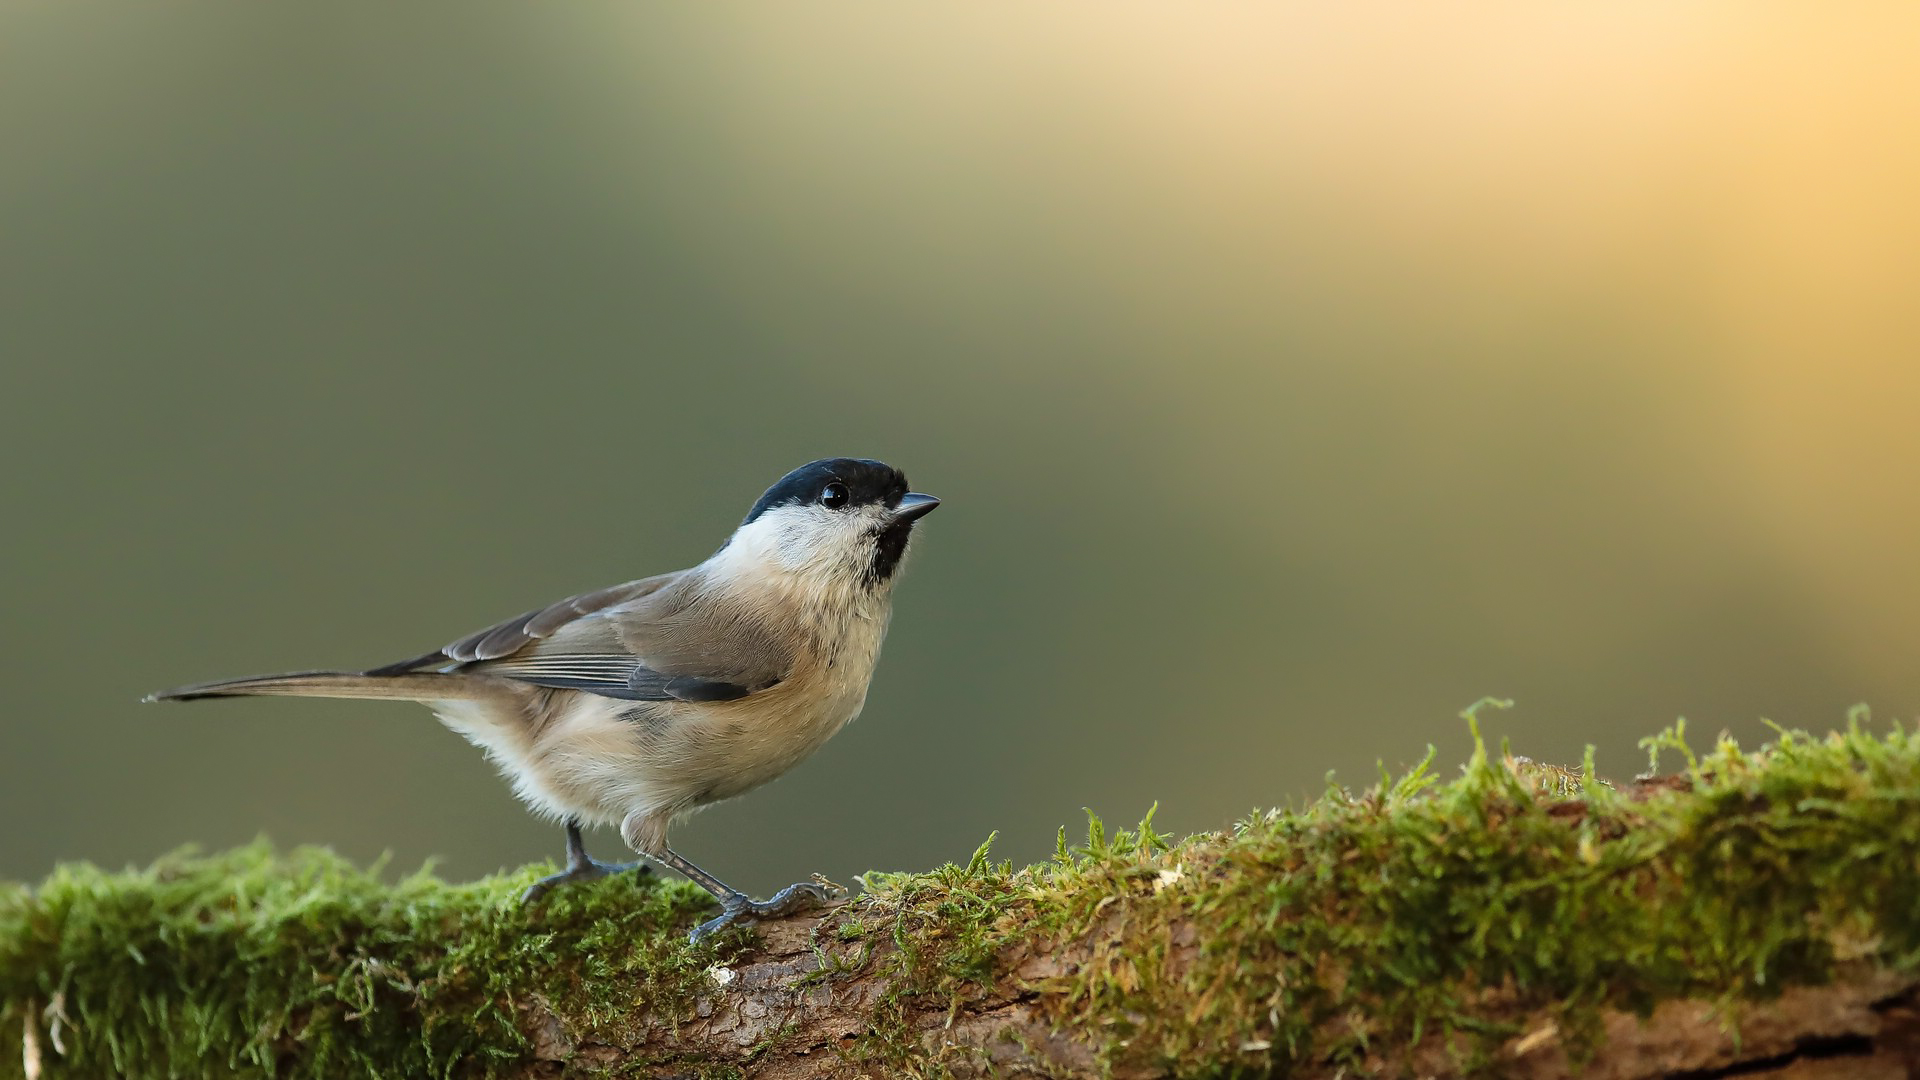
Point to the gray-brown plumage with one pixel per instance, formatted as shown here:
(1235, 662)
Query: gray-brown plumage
(636, 704)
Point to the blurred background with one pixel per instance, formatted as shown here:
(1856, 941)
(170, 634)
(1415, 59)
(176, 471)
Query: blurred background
(1293, 376)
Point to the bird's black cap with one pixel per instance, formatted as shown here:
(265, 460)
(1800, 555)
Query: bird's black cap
(867, 482)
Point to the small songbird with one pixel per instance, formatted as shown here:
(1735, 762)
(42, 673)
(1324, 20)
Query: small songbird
(640, 703)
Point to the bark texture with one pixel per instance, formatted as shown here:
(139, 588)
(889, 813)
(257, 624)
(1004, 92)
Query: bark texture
(770, 1015)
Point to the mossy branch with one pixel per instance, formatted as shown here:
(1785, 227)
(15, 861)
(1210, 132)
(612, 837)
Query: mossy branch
(1755, 911)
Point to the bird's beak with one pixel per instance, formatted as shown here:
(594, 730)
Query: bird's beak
(914, 506)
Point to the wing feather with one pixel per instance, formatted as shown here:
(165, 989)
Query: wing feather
(615, 642)
(515, 634)
(506, 638)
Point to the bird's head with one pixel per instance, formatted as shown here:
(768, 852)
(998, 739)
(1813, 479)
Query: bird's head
(842, 523)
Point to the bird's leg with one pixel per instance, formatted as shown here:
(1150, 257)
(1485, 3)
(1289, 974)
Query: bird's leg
(735, 904)
(580, 866)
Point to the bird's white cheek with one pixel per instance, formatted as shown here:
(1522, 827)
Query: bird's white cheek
(815, 546)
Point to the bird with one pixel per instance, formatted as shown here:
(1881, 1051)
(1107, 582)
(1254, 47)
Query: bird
(637, 704)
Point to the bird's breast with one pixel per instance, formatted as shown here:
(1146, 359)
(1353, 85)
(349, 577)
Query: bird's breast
(743, 744)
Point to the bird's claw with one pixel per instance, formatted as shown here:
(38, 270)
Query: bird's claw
(584, 871)
(795, 898)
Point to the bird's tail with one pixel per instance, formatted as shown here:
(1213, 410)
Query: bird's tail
(420, 686)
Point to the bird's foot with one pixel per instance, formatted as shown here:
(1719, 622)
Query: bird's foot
(795, 898)
(588, 870)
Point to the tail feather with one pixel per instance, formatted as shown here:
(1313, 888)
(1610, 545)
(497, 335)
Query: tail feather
(340, 684)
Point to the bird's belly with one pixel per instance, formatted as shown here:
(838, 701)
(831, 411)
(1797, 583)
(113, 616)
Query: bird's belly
(599, 759)
(738, 753)
(585, 761)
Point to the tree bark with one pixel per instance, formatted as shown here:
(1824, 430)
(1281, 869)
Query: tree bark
(764, 1017)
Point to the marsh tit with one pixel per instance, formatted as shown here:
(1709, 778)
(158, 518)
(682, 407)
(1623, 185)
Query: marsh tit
(638, 704)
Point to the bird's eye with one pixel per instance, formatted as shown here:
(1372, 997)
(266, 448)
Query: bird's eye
(834, 496)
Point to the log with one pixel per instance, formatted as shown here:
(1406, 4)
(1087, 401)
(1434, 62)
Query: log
(1753, 914)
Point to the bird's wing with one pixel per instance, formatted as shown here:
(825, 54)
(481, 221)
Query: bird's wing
(640, 641)
(509, 637)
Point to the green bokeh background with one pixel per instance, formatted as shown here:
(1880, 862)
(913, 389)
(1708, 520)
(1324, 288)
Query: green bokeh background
(1293, 377)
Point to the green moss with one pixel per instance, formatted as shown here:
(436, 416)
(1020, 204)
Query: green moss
(251, 963)
(1452, 910)
(1368, 920)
